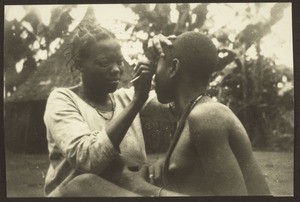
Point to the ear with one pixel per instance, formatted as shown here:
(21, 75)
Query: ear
(174, 67)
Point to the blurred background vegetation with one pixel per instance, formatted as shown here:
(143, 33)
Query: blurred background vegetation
(258, 85)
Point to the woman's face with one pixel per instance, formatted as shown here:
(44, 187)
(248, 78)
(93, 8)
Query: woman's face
(103, 67)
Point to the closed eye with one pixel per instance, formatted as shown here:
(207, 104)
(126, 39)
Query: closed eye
(120, 62)
(103, 63)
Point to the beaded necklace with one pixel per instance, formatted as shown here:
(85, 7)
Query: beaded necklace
(177, 134)
(104, 114)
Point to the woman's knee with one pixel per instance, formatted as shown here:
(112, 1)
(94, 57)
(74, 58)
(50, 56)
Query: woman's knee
(85, 185)
(85, 178)
(81, 185)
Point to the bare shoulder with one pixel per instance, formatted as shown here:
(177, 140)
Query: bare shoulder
(210, 119)
(210, 112)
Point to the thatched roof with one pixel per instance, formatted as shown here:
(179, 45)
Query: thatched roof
(54, 72)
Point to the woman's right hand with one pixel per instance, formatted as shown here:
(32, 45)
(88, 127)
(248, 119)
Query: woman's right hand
(143, 73)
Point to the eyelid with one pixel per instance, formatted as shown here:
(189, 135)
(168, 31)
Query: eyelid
(103, 64)
(121, 60)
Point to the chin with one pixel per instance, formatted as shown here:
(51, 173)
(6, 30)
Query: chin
(112, 88)
(163, 101)
(163, 98)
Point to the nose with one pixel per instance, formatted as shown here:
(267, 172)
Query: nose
(115, 70)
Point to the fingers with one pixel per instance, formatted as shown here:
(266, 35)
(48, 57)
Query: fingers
(172, 37)
(222, 54)
(142, 72)
(143, 69)
(154, 48)
(224, 51)
(157, 171)
(157, 41)
(142, 64)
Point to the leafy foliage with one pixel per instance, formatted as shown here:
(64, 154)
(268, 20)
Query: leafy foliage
(253, 86)
(256, 89)
(23, 39)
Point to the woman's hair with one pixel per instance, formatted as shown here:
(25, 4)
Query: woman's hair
(85, 35)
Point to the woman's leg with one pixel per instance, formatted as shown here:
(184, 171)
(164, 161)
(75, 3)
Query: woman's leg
(90, 185)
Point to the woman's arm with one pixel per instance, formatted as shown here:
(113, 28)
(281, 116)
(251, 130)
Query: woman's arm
(91, 151)
(117, 128)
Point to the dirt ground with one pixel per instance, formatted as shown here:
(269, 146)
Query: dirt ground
(25, 173)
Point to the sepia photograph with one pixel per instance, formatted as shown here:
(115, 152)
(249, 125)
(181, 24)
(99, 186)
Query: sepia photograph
(149, 100)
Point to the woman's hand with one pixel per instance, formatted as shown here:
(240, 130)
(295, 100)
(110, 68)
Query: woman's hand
(156, 171)
(137, 183)
(143, 73)
(154, 47)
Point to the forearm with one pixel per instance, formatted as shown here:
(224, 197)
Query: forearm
(86, 150)
(151, 190)
(255, 181)
(118, 127)
(91, 152)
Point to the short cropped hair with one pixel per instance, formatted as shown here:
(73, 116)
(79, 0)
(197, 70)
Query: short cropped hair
(85, 35)
(197, 55)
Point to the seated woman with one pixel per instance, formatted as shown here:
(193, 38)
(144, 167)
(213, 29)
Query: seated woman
(210, 153)
(93, 129)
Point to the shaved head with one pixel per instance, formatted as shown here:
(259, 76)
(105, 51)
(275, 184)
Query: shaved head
(196, 53)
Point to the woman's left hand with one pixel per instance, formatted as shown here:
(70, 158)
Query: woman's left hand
(155, 172)
(137, 183)
(154, 47)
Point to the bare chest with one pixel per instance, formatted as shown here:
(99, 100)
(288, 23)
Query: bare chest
(181, 159)
(185, 174)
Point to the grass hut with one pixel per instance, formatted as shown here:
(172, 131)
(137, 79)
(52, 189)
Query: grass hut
(24, 109)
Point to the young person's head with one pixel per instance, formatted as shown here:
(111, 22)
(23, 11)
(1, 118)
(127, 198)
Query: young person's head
(191, 60)
(96, 53)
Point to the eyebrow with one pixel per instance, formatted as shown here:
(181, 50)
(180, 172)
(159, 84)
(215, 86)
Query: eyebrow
(110, 56)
